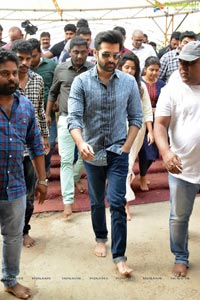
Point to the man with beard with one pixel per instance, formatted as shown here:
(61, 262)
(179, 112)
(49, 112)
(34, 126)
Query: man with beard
(45, 68)
(178, 113)
(64, 75)
(31, 85)
(100, 102)
(18, 127)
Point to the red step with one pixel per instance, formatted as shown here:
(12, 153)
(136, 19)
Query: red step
(158, 188)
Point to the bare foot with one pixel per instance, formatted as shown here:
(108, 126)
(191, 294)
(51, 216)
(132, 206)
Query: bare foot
(19, 291)
(128, 214)
(143, 184)
(179, 270)
(80, 186)
(67, 210)
(100, 249)
(124, 269)
(28, 241)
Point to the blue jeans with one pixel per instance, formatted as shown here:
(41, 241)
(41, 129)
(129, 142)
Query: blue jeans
(182, 196)
(115, 172)
(12, 224)
(52, 142)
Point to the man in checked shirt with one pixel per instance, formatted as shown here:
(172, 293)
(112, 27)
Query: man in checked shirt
(18, 126)
(31, 85)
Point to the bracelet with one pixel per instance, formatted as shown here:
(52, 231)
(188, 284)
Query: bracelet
(43, 182)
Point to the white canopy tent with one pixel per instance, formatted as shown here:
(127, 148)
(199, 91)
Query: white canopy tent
(158, 18)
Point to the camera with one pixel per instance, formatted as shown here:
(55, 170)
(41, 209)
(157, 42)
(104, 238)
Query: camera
(29, 28)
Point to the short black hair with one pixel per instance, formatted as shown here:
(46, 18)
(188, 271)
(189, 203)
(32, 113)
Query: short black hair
(44, 34)
(70, 27)
(83, 30)
(153, 44)
(110, 36)
(175, 35)
(1, 28)
(189, 34)
(35, 44)
(7, 55)
(21, 46)
(78, 41)
(82, 23)
(120, 29)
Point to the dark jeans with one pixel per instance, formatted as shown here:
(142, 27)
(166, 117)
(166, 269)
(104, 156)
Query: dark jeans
(30, 178)
(52, 142)
(147, 155)
(115, 172)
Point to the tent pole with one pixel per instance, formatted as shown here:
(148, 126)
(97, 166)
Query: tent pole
(181, 21)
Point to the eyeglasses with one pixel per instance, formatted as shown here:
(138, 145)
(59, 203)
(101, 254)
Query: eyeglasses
(107, 55)
(188, 63)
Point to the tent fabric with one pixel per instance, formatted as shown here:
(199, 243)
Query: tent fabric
(156, 18)
(58, 10)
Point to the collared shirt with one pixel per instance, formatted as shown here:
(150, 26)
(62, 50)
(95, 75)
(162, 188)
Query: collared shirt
(20, 129)
(169, 63)
(101, 111)
(34, 91)
(63, 77)
(46, 70)
(143, 53)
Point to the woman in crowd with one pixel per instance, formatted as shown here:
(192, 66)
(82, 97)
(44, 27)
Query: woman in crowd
(149, 153)
(129, 63)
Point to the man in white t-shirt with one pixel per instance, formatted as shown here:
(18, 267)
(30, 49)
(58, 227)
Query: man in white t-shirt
(178, 113)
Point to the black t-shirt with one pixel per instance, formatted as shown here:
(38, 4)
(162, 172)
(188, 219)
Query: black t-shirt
(58, 48)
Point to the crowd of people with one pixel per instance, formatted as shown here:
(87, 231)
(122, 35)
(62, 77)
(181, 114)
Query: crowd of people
(105, 106)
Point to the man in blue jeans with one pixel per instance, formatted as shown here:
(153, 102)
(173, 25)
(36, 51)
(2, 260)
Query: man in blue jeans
(31, 85)
(101, 101)
(178, 112)
(18, 126)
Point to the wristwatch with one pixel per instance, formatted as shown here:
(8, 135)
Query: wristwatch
(43, 182)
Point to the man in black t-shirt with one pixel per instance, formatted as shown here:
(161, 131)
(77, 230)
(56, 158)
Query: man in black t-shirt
(70, 32)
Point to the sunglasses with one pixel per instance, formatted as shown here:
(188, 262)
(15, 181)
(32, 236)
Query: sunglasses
(107, 55)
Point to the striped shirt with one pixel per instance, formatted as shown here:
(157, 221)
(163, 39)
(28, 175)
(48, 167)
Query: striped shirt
(101, 111)
(34, 91)
(20, 129)
(169, 63)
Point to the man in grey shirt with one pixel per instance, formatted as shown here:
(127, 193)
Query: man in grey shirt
(63, 78)
(100, 102)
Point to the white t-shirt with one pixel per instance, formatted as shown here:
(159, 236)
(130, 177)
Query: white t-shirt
(182, 103)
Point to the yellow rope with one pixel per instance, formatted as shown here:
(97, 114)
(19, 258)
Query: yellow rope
(57, 7)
